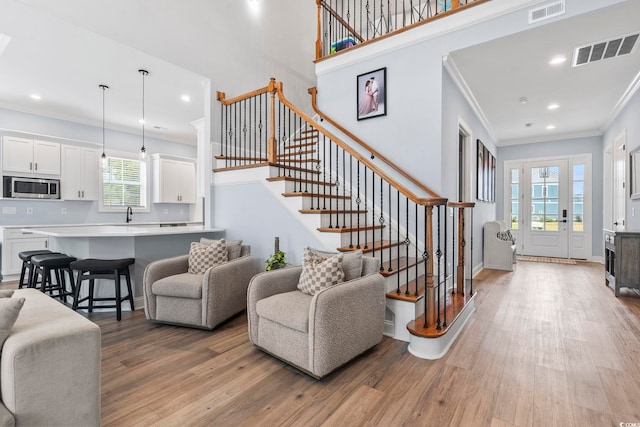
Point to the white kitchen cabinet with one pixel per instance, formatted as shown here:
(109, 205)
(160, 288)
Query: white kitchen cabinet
(80, 173)
(15, 241)
(174, 180)
(29, 157)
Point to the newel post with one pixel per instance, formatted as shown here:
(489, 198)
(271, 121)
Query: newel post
(272, 150)
(319, 31)
(430, 314)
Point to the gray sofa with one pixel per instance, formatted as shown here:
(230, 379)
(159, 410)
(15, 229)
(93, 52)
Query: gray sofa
(50, 366)
(316, 334)
(174, 296)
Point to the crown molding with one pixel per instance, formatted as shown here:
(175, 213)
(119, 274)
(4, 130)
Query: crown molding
(622, 102)
(551, 137)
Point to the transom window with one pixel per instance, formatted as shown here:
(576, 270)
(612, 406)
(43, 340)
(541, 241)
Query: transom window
(124, 183)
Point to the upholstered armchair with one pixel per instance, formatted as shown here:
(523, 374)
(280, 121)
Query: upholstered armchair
(174, 295)
(499, 246)
(317, 334)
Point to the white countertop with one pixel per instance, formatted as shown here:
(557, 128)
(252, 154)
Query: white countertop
(118, 230)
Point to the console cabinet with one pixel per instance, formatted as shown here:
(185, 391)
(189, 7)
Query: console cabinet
(622, 259)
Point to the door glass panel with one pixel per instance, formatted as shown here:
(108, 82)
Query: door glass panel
(515, 190)
(544, 198)
(578, 197)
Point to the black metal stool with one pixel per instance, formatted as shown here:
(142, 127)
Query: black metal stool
(25, 256)
(110, 269)
(42, 266)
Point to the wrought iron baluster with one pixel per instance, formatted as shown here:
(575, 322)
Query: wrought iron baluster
(366, 197)
(344, 191)
(407, 241)
(417, 267)
(351, 201)
(453, 251)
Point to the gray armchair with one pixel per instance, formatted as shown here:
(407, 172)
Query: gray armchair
(172, 295)
(316, 334)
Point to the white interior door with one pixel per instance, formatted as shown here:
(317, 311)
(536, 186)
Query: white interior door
(619, 181)
(545, 208)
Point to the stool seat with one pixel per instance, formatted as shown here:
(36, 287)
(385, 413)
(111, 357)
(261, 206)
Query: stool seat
(110, 269)
(52, 260)
(102, 265)
(26, 256)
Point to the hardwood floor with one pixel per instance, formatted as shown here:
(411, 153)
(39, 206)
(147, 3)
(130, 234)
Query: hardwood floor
(548, 345)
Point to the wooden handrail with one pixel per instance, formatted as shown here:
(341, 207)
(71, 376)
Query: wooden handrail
(313, 91)
(406, 27)
(221, 96)
(347, 148)
(461, 204)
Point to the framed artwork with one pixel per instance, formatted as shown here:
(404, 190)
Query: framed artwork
(480, 171)
(372, 94)
(486, 174)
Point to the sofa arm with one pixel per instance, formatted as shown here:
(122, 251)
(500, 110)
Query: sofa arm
(348, 317)
(224, 290)
(264, 285)
(157, 270)
(50, 365)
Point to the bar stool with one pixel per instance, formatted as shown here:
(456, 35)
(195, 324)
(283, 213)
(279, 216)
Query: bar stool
(110, 269)
(25, 256)
(43, 265)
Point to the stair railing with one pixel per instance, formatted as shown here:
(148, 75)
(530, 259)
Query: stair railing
(346, 23)
(370, 209)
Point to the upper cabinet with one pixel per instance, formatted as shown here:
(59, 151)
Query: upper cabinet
(174, 179)
(80, 173)
(29, 157)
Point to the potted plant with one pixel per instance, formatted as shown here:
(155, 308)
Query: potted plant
(277, 260)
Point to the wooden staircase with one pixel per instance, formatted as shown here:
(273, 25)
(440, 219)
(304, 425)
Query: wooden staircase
(357, 206)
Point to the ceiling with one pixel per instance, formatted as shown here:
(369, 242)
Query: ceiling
(63, 50)
(501, 72)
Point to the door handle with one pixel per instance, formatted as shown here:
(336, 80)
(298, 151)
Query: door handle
(564, 220)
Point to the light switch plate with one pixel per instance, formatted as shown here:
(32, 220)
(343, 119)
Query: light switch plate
(9, 210)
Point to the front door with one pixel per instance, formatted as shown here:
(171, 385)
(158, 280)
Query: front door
(545, 208)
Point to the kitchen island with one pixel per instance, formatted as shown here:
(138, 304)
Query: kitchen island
(144, 242)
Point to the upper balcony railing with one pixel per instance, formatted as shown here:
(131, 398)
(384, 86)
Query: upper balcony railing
(346, 23)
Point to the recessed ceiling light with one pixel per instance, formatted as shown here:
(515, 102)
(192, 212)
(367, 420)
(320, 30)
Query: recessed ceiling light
(141, 121)
(553, 106)
(551, 127)
(185, 98)
(523, 100)
(557, 60)
(528, 124)
(35, 97)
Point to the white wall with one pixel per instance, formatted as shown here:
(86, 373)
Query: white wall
(628, 120)
(21, 124)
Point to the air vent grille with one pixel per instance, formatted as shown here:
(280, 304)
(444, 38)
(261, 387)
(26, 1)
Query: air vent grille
(547, 11)
(618, 46)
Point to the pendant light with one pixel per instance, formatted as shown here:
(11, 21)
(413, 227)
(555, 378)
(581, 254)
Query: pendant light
(143, 150)
(104, 156)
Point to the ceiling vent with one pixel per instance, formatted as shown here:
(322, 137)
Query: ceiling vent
(545, 12)
(618, 46)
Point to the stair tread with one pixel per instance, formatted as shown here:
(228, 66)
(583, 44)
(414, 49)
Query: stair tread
(305, 181)
(294, 168)
(248, 158)
(412, 297)
(290, 160)
(348, 229)
(230, 168)
(454, 303)
(371, 246)
(317, 195)
(330, 211)
(297, 154)
(305, 137)
(294, 146)
(399, 264)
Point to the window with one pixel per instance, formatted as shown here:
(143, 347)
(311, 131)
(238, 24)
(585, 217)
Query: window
(124, 183)
(515, 183)
(578, 197)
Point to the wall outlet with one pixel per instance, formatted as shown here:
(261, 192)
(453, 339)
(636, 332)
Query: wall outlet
(181, 211)
(166, 211)
(63, 211)
(29, 211)
(9, 210)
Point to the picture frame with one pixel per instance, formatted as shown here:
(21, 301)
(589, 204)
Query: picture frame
(371, 90)
(485, 174)
(634, 168)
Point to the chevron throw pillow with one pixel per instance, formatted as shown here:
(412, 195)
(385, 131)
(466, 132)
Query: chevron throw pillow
(202, 257)
(319, 272)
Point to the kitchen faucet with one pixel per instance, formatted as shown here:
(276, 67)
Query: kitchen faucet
(129, 214)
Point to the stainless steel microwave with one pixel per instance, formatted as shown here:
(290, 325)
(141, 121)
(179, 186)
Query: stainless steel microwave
(30, 188)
